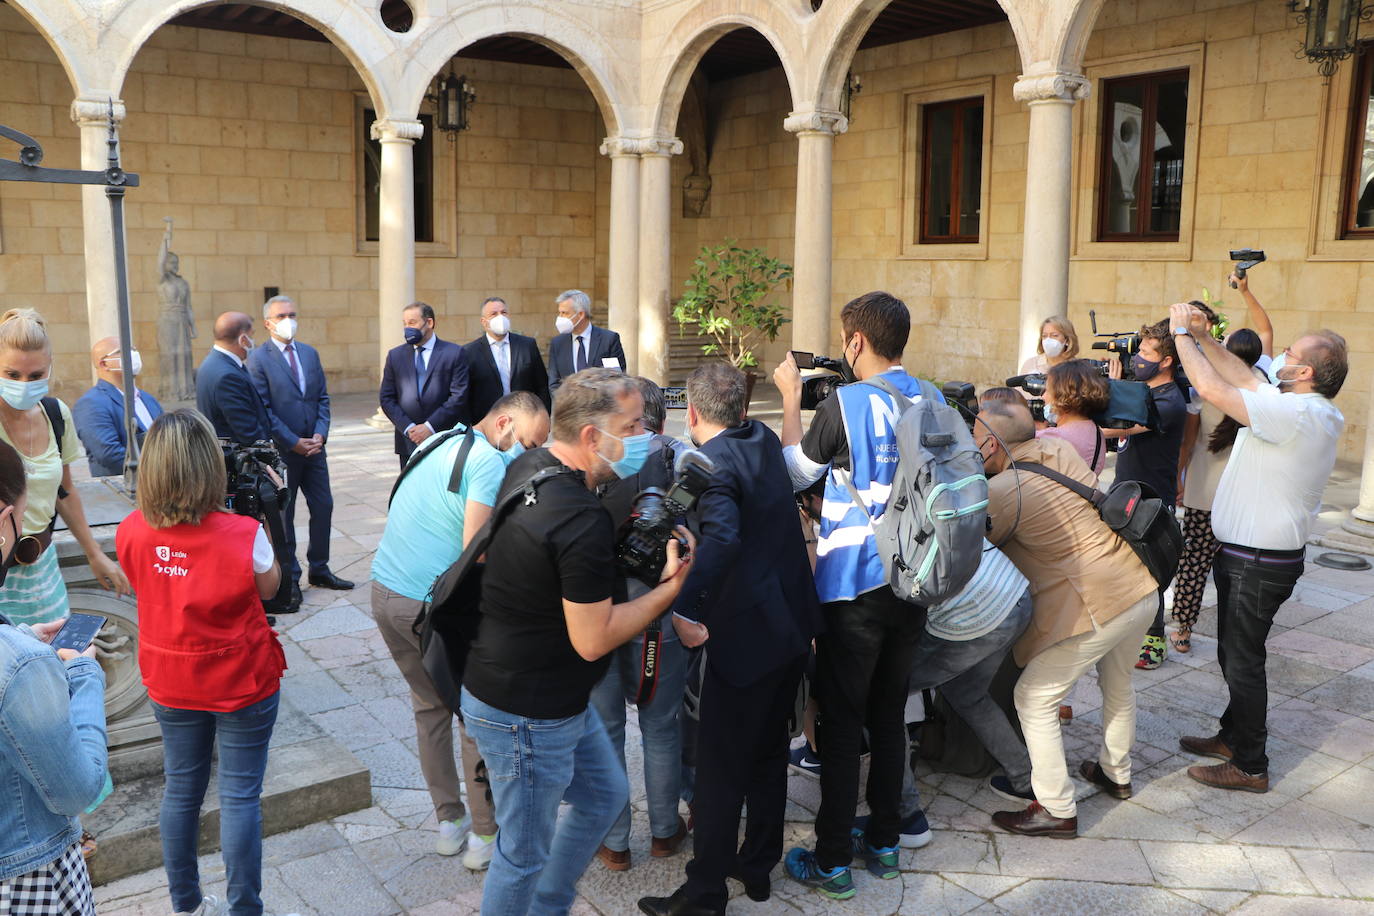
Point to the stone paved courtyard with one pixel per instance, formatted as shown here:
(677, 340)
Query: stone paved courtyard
(1176, 847)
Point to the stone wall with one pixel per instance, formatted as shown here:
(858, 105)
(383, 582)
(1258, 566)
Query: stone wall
(251, 144)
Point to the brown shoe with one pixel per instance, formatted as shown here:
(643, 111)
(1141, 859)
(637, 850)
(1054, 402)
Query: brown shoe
(1036, 821)
(662, 848)
(1229, 776)
(1206, 747)
(615, 860)
(1091, 770)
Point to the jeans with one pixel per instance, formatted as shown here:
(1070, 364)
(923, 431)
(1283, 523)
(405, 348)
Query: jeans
(963, 670)
(863, 664)
(1250, 590)
(309, 476)
(661, 734)
(533, 765)
(188, 741)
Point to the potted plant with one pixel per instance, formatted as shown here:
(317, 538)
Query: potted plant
(729, 297)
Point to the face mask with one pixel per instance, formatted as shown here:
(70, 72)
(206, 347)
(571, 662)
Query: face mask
(563, 324)
(1051, 415)
(116, 363)
(517, 448)
(1143, 368)
(636, 450)
(285, 328)
(247, 343)
(1275, 366)
(847, 368)
(1052, 346)
(414, 336)
(23, 395)
(499, 325)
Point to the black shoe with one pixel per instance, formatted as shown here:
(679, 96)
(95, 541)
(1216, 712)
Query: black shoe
(677, 905)
(758, 891)
(1091, 770)
(327, 579)
(294, 603)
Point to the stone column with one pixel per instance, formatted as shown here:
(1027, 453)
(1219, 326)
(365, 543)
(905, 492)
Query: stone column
(92, 116)
(655, 254)
(395, 235)
(1049, 191)
(815, 132)
(624, 244)
(1361, 519)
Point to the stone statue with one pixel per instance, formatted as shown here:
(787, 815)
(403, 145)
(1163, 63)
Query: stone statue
(176, 326)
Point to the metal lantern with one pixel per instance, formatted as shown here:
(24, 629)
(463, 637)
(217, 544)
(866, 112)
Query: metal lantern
(1332, 30)
(453, 98)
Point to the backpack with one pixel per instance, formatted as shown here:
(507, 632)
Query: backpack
(1135, 512)
(455, 479)
(930, 537)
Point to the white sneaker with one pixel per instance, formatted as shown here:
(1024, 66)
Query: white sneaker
(451, 837)
(480, 851)
(1169, 598)
(209, 906)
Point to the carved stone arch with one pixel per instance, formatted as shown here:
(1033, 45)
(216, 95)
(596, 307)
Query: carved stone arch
(57, 32)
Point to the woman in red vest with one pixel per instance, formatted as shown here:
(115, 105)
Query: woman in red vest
(210, 662)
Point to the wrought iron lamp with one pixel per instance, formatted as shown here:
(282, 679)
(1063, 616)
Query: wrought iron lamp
(452, 99)
(1333, 28)
(852, 87)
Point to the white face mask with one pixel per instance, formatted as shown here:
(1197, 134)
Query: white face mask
(499, 325)
(1052, 346)
(116, 363)
(564, 324)
(285, 328)
(247, 343)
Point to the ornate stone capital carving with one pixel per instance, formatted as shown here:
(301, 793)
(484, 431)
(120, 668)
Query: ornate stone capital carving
(396, 130)
(1046, 87)
(90, 110)
(816, 121)
(618, 147)
(641, 146)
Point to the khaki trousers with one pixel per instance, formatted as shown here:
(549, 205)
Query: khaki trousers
(1047, 680)
(433, 720)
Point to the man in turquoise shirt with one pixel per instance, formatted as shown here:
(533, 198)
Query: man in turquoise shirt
(427, 527)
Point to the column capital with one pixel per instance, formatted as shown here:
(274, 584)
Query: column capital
(816, 121)
(1048, 87)
(397, 130)
(617, 147)
(89, 110)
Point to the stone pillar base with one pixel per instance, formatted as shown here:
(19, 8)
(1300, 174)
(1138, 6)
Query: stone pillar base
(379, 420)
(1356, 525)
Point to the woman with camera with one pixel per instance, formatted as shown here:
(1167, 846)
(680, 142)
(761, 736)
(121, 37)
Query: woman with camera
(41, 430)
(211, 663)
(1075, 391)
(52, 740)
(1058, 344)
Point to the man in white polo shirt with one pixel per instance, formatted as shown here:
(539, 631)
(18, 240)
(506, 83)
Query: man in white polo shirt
(1285, 451)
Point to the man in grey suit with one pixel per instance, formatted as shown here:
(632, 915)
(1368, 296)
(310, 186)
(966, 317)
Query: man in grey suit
(579, 345)
(291, 382)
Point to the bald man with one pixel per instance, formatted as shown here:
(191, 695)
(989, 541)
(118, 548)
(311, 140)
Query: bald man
(224, 390)
(99, 413)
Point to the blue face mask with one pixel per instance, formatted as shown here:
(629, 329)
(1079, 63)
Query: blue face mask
(23, 395)
(636, 450)
(414, 336)
(1275, 366)
(1143, 368)
(515, 451)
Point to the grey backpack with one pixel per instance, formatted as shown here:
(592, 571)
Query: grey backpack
(930, 538)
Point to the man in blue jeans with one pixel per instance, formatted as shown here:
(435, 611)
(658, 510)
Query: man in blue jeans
(548, 623)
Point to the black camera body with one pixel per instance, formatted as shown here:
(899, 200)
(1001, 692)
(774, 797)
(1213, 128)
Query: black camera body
(819, 387)
(1245, 259)
(250, 490)
(1033, 383)
(642, 544)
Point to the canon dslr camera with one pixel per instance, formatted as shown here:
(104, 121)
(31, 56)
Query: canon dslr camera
(642, 546)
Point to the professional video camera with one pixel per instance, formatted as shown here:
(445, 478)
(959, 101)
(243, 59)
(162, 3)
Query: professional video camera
(1245, 259)
(642, 545)
(1033, 384)
(1124, 344)
(819, 387)
(1129, 403)
(963, 398)
(252, 493)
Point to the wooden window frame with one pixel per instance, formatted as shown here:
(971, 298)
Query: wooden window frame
(960, 107)
(1354, 144)
(1144, 174)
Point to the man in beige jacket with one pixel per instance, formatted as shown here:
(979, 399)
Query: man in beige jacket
(1092, 601)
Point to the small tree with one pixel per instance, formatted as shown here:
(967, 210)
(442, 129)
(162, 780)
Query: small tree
(728, 297)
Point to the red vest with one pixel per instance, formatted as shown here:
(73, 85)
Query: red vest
(203, 638)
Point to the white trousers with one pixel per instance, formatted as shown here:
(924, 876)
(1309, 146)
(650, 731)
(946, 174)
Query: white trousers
(1047, 680)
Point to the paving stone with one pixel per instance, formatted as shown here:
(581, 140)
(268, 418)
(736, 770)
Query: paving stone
(354, 727)
(1347, 794)
(1321, 595)
(1345, 692)
(341, 617)
(1327, 730)
(1338, 873)
(1350, 625)
(955, 851)
(1274, 905)
(1302, 824)
(1215, 901)
(1085, 898)
(932, 895)
(1084, 859)
(392, 766)
(1104, 817)
(338, 883)
(1222, 814)
(985, 886)
(315, 691)
(1320, 650)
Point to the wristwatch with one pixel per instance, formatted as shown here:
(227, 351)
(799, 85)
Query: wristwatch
(1179, 331)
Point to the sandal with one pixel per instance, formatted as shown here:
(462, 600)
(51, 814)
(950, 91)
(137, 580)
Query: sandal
(1182, 641)
(88, 844)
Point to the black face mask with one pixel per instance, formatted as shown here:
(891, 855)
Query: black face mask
(846, 370)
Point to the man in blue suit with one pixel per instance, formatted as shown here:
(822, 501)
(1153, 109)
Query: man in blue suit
(424, 383)
(99, 413)
(290, 381)
(579, 344)
(224, 391)
(750, 596)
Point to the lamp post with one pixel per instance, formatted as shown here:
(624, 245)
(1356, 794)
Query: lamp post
(1332, 30)
(455, 94)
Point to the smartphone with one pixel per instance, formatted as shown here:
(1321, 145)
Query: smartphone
(804, 360)
(79, 632)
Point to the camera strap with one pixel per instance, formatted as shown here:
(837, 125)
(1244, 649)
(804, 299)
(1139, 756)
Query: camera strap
(1097, 449)
(455, 479)
(648, 663)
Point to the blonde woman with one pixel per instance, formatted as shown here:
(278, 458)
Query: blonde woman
(41, 429)
(1058, 344)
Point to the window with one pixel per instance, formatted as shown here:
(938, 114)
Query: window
(1140, 179)
(371, 169)
(951, 171)
(1357, 217)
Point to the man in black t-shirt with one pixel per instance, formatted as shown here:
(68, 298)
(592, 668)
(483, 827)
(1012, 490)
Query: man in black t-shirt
(1151, 455)
(548, 621)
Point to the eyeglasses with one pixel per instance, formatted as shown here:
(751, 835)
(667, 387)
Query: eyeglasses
(1292, 359)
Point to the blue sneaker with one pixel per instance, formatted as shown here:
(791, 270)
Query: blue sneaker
(804, 759)
(915, 830)
(881, 863)
(837, 883)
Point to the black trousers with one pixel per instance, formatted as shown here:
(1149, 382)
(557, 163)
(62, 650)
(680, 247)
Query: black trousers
(863, 665)
(311, 477)
(741, 759)
(1251, 585)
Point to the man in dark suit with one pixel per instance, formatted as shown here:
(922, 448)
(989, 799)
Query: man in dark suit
(290, 380)
(579, 344)
(501, 361)
(99, 413)
(749, 595)
(224, 391)
(425, 382)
